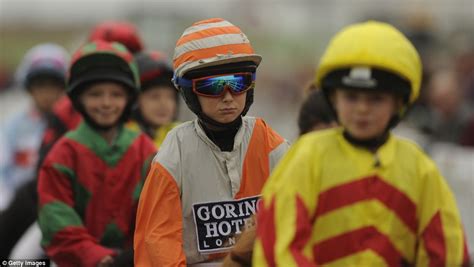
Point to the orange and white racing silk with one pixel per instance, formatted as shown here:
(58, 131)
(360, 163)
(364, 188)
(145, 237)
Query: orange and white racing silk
(329, 203)
(197, 198)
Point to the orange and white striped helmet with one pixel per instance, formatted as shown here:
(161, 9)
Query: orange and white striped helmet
(211, 42)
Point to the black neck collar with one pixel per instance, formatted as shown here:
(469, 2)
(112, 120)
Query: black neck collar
(221, 134)
(371, 144)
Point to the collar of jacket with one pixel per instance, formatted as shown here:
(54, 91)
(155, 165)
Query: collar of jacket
(239, 136)
(111, 154)
(382, 157)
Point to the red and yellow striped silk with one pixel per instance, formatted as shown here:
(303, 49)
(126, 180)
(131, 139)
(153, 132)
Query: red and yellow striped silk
(329, 203)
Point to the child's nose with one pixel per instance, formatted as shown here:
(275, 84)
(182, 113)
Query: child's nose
(228, 93)
(106, 99)
(363, 105)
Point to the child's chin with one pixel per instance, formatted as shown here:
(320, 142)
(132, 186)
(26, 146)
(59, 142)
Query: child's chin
(160, 121)
(107, 124)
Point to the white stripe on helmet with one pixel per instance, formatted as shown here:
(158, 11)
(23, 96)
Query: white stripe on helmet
(206, 26)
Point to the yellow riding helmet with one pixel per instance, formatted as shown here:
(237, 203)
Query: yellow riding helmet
(373, 46)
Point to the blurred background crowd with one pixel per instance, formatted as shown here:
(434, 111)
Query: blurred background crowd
(290, 35)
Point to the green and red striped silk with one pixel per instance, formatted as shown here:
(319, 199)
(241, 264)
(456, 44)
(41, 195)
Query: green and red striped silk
(88, 194)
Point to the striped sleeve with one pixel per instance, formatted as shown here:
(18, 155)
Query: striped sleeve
(158, 237)
(65, 238)
(285, 214)
(442, 241)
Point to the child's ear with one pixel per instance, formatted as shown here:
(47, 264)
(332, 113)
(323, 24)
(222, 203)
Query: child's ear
(398, 103)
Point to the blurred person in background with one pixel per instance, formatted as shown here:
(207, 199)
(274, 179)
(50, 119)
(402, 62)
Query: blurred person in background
(420, 29)
(467, 136)
(449, 112)
(4, 196)
(463, 43)
(42, 74)
(5, 80)
(356, 195)
(448, 116)
(90, 181)
(118, 31)
(18, 236)
(157, 105)
(465, 68)
(221, 159)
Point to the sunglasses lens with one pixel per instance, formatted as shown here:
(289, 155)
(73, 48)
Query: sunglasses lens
(214, 86)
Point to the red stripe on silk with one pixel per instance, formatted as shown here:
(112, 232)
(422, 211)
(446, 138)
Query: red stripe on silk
(368, 188)
(466, 262)
(302, 234)
(435, 244)
(367, 238)
(266, 230)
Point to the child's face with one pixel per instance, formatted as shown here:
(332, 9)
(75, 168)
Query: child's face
(364, 115)
(104, 102)
(45, 93)
(158, 105)
(223, 109)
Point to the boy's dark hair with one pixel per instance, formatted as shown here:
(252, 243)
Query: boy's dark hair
(314, 110)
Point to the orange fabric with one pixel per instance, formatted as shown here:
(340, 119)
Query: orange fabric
(158, 235)
(256, 167)
(212, 52)
(208, 33)
(274, 139)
